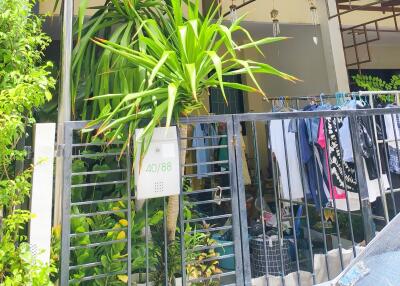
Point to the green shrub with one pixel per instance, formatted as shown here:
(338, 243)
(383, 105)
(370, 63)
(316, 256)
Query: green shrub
(24, 86)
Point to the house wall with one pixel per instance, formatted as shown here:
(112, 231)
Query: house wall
(384, 57)
(298, 12)
(298, 56)
(290, 11)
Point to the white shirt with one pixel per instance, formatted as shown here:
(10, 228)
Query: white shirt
(278, 148)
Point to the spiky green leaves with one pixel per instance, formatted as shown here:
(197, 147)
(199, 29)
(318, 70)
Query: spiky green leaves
(180, 59)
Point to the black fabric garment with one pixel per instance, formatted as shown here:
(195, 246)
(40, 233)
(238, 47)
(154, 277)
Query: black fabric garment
(364, 124)
(343, 173)
(381, 131)
(394, 178)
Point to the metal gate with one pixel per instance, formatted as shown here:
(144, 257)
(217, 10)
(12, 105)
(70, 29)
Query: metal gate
(110, 238)
(302, 256)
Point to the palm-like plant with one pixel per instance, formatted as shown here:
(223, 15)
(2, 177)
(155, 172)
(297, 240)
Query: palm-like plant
(181, 57)
(96, 71)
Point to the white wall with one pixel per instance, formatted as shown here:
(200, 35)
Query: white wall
(383, 57)
(298, 56)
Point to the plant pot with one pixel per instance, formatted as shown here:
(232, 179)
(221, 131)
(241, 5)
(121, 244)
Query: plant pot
(227, 263)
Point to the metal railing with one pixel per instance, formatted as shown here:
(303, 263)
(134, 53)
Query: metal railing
(347, 227)
(221, 238)
(108, 236)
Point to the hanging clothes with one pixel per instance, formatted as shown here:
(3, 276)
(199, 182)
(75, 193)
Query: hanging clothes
(376, 185)
(204, 135)
(323, 156)
(246, 173)
(367, 146)
(223, 156)
(292, 186)
(353, 200)
(392, 128)
(343, 173)
(345, 141)
(309, 154)
(201, 153)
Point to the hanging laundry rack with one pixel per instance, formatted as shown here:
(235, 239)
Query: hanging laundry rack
(295, 101)
(368, 96)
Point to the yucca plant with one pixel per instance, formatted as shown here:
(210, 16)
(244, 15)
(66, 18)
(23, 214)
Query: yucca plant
(183, 57)
(96, 71)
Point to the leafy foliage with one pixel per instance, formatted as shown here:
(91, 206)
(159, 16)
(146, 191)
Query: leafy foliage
(17, 264)
(203, 264)
(179, 59)
(374, 83)
(24, 86)
(24, 79)
(155, 64)
(97, 71)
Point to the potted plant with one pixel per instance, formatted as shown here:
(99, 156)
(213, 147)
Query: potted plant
(180, 58)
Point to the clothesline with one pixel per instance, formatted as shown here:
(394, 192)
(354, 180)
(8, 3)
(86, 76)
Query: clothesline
(340, 97)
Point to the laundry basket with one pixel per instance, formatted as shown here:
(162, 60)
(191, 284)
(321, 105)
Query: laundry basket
(268, 260)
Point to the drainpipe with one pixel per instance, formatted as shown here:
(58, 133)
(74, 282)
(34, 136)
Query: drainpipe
(64, 102)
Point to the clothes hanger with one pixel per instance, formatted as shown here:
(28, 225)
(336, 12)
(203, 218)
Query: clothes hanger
(361, 100)
(281, 103)
(286, 107)
(321, 98)
(311, 100)
(340, 99)
(278, 104)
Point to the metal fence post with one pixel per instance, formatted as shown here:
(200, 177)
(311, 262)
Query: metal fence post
(66, 206)
(368, 222)
(64, 104)
(129, 206)
(241, 203)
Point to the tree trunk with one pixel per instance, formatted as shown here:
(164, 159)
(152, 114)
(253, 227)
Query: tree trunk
(173, 201)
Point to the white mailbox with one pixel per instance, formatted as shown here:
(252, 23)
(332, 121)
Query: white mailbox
(159, 174)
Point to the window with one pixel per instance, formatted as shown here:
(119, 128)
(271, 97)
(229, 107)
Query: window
(234, 98)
